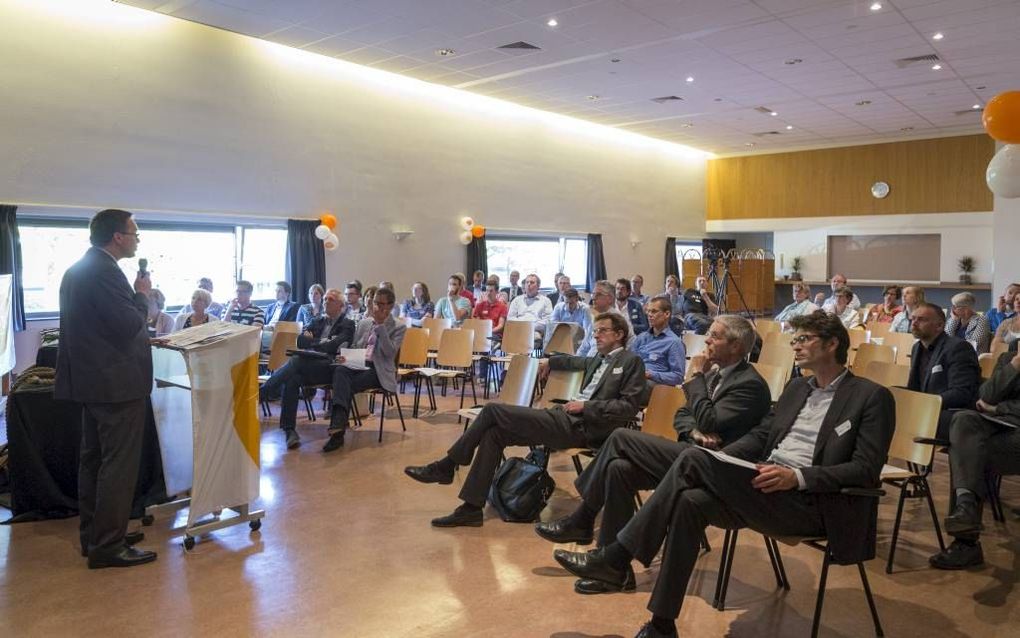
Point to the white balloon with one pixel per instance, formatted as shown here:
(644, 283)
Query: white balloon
(322, 231)
(465, 237)
(1003, 174)
(331, 242)
(466, 223)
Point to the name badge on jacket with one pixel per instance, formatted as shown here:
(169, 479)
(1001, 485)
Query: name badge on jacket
(618, 370)
(843, 428)
(937, 368)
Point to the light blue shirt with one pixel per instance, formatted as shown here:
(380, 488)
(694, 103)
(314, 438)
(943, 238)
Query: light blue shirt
(664, 356)
(563, 314)
(445, 311)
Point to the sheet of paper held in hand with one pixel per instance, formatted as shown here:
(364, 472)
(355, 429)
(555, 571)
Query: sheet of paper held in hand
(203, 335)
(354, 358)
(732, 460)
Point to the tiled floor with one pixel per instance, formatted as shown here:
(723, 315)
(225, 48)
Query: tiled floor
(346, 550)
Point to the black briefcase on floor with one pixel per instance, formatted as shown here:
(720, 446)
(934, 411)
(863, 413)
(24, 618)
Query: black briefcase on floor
(522, 487)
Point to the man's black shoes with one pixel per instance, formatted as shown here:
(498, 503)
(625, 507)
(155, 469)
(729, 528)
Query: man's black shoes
(589, 587)
(126, 557)
(130, 538)
(293, 440)
(335, 442)
(431, 473)
(463, 516)
(563, 530)
(965, 517)
(594, 566)
(649, 631)
(959, 555)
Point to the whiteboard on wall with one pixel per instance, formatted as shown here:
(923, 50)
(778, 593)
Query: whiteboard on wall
(6, 323)
(886, 258)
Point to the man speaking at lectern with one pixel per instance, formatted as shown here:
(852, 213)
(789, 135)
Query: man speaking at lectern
(105, 364)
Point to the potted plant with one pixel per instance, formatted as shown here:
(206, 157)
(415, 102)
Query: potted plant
(966, 265)
(795, 266)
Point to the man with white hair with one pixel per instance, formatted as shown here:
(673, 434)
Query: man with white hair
(964, 322)
(827, 304)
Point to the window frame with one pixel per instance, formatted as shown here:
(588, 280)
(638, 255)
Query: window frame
(560, 238)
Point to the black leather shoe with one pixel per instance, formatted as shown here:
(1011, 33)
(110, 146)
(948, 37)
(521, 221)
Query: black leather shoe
(592, 566)
(958, 555)
(965, 517)
(649, 631)
(126, 557)
(130, 538)
(335, 442)
(293, 440)
(588, 587)
(430, 473)
(563, 531)
(461, 517)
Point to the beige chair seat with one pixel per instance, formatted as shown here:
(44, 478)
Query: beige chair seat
(893, 472)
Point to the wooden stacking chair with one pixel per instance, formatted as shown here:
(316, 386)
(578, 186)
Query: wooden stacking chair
(765, 327)
(562, 385)
(518, 388)
(413, 355)
(885, 374)
(777, 351)
(987, 362)
(454, 358)
(904, 344)
(879, 328)
(663, 405)
(562, 339)
(694, 344)
(436, 327)
(481, 349)
(282, 341)
(857, 337)
(518, 338)
(868, 352)
(775, 377)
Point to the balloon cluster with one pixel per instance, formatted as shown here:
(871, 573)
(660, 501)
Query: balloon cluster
(326, 232)
(1002, 121)
(471, 230)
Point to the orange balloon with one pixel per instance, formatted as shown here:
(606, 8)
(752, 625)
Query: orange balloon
(1002, 117)
(328, 220)
(478, 231)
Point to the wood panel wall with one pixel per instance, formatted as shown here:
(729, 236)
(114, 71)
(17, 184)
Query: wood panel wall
(945, 175)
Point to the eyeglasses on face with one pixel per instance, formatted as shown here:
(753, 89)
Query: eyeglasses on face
(801, 339)
(601, 331)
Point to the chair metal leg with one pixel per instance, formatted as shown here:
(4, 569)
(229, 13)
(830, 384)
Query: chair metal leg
(577, 464)
(896, 527)
(704, 542)
(994, 485)
(417, 397)
(309, 409)
(400, 411)
(382, 417)
(821, 594)
(934, 515)
(725, 567)
(871, 600)
(777, 563)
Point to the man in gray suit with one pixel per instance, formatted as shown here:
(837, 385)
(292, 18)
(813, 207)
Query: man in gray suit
(826, 432)
(105, 363)
(381, 337)
(726, 397)
(609, 397)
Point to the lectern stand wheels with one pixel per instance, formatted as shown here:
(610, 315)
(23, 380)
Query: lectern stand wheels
(255, 524)
(148, 519)
(189, 542)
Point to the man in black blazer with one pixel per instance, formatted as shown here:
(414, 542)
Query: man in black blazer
(613, 383)
(826, 432)
(562, 285)
(326, 334)
(726, 397)
(105, 363)
(286, 308)
(982, 441)
(941, 364)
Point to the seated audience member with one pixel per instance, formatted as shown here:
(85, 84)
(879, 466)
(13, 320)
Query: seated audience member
(912, 295)
(661, 350)
(698, 307)
(980, 446)
(844, 309)
(313, 309)
(571, 310)
(419, 306)
(637, 282)
(283, 309)
(1008, 331)
(964, 322)
(562, 285)
(838, 281)
(327, 334)
(200, 301)
(477, 289)
(1003, 308)
(490, 307)
(241, 309)
(531, 306)
(612, 385)
(630, 308)
(827, 432)
(801, 304)
(513, 290)
(673, 293)
(942, 365)
(726, 397)
(465, 290)
(886, 311)
(355, 308)
(159, 322)
(453, 306)
(381, 337)
(215, 309)
(368, 297)
(602, 297)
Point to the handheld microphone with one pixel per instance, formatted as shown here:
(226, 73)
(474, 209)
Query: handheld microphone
(143, 266)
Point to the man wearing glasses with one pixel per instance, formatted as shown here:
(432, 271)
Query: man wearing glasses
(613, 383)
(380, 336)
(602, 297)
(827, 432)
(661, 350)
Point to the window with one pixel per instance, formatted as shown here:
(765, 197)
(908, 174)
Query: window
(178, 255)
(691, 248)
(544, 256)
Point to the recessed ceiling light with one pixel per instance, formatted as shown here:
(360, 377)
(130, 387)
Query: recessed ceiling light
(789, 127)
(876, 6)
(445, 52)
(749, 144)
(553, 22)
(907, 128)
(937, 36)
(690, 78)
(717, 99)
(976, 106)
(687, 125)
(936, 67)
(793, 61)
(594, 97)
(862, 103)
(980, 88)
(615, 60)
(773, 113)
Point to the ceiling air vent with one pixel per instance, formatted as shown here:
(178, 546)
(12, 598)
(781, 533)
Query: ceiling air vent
(968, 111)
(905, 62)
(764, 133)
(667, 98)
(520, 45)
(763, 109)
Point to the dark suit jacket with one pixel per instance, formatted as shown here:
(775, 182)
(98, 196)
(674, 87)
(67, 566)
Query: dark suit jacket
(741, 401)
(104, 354)
(953, 373)
(638, 318)
(851, 459)
(1002, 389)
(341, 334)
(518, 290)
(289, 312)
(554, 297)
(616, 399)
